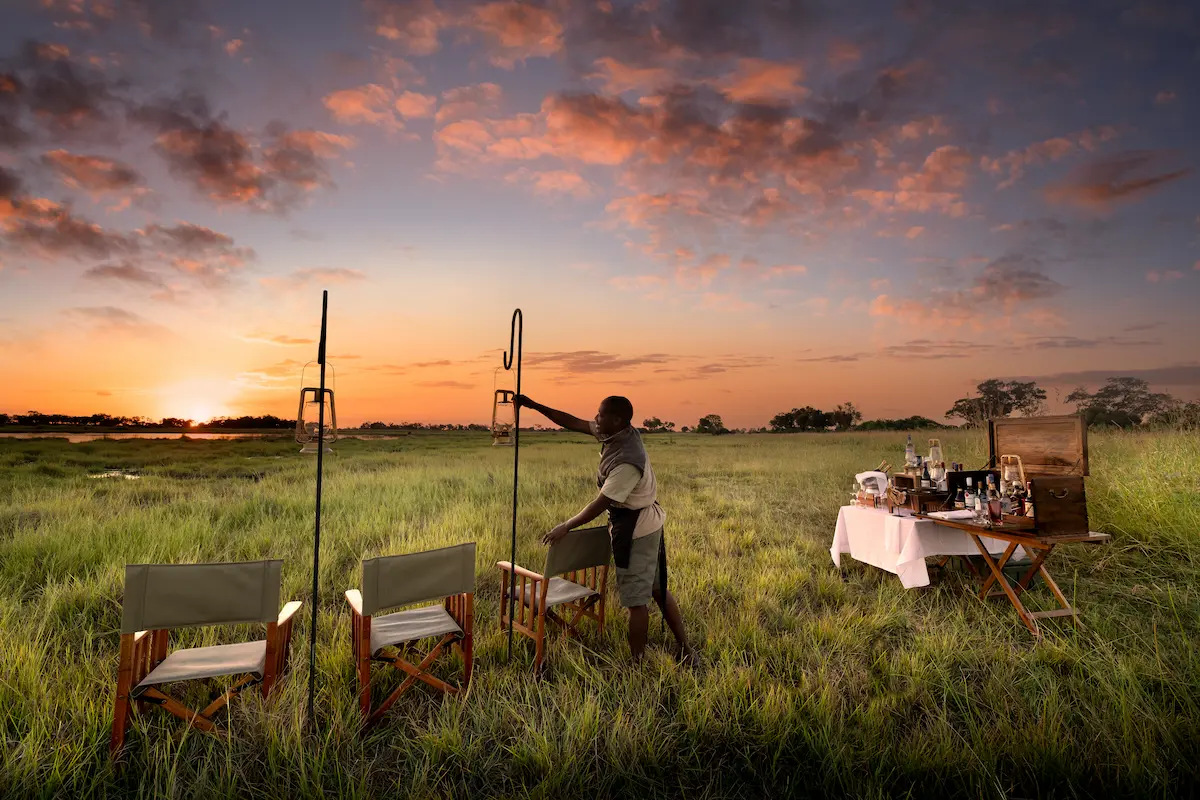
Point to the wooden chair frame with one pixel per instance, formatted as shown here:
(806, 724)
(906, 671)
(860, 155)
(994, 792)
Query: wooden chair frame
(460, 606)
(531, 616)
(141, 652)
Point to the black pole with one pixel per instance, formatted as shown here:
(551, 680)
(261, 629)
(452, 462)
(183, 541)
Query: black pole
(312, 627)
(518, 334)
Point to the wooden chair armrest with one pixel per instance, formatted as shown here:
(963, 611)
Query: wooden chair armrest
(354, 598)
(137, 637)
(288, 610)
(508, 567)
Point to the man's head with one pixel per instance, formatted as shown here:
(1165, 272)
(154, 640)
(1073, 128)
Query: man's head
(614, 416)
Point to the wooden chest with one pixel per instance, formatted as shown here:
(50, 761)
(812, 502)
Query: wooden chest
(1054, 454)
(1059, 506)
(1048, 446)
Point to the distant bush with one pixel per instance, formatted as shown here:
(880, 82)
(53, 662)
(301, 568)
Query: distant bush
(909, 424)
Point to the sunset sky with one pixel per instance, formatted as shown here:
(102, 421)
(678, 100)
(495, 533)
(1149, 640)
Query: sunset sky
(709, 206)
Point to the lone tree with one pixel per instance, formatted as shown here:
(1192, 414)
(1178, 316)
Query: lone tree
(997, 398)
(711, 424)
(656, 425)
(1121, 401)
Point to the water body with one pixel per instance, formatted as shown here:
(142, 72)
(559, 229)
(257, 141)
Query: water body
(92, 437)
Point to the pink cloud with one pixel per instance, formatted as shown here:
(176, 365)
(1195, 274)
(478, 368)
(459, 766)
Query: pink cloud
(552, 182)
(415, 105)
(516, 31)
(1154, 276)
(617, 78)
(370, 104)
(757, 80)
(469, 102)
(1055, 149)
(1118, 178)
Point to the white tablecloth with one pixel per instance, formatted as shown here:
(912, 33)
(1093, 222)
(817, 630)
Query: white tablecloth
(900, 544)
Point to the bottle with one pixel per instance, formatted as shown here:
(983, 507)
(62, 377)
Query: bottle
(910, 455)
(960, 500)
(970, 497)
(943, 481)
(926, 482)
(980, 504)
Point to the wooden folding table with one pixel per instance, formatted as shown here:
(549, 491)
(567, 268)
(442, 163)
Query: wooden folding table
(1020, 532)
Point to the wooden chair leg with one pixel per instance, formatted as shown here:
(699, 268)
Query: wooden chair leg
(121, 706)
(539, 642)
(363, 658)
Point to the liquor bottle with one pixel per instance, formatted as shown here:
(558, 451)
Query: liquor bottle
(926, 482)
(995, 510)
(910, 455)
(960, 500)
(980, 503)
(970, 498)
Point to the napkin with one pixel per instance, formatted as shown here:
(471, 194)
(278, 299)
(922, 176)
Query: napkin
(960, 514)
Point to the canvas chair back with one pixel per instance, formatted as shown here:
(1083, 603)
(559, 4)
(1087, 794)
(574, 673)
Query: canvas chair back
(159, 596)
(589, 547)
(390, 581)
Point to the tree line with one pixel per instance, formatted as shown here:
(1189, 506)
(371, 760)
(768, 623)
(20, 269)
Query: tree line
(36, 419)
(1124, 402)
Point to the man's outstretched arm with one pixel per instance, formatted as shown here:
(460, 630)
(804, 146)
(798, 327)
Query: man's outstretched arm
(560, 418)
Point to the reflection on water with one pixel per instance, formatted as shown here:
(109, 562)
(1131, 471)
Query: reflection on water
(116, 473)
(92, 437)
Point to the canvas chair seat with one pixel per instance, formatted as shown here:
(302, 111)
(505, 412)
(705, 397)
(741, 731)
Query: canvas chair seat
(558, 592)
(410, 625)
(209, 662)
(568, 591)
(447, 575)
(161, 598)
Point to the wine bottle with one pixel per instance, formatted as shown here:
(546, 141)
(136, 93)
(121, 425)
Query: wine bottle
(926, 482)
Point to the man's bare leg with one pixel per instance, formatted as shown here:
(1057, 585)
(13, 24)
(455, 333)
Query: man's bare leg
(670, 611)
(639, 624)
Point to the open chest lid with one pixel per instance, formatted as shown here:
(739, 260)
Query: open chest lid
(1047, 446)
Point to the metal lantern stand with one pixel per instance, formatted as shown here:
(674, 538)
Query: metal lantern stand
(514, 354)
(312, 630)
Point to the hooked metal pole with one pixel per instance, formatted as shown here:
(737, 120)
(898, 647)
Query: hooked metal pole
(312, 628)
(516, 336)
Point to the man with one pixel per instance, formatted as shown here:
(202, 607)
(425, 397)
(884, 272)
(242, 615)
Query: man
(628, 492)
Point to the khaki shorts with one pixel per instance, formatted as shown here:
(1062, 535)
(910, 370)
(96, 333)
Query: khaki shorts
(635, 583)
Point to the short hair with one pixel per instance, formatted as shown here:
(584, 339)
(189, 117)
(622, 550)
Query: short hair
(621, 407)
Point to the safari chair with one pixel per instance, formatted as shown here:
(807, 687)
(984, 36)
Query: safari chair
(446, 574)
(581, 557)
(162, 597)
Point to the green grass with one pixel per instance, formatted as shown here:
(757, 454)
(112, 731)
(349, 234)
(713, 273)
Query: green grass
(813, 683)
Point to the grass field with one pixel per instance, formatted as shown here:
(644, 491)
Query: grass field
(812, 683)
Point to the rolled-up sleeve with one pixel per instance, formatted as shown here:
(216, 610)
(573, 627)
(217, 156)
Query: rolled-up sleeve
(621, 482)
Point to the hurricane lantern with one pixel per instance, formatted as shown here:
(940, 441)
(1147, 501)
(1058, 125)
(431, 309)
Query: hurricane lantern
(308, 415)
(504, 417)
(1012, 470)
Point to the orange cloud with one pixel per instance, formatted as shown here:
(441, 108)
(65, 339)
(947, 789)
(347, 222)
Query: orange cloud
(415, 24)
(618, 78)
(757, 80)
(469, 102)
(1015, 162)
(1119, 178)
(415, 105)
(553, 182)
(370, 104)
(516, 31)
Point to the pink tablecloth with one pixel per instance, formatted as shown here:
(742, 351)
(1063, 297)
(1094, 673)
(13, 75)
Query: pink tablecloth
(901, 544)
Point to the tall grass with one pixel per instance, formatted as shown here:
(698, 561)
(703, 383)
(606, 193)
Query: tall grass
(813, 683)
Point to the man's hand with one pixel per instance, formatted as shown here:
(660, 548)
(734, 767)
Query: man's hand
(556, 533)
(522, 401)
